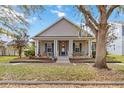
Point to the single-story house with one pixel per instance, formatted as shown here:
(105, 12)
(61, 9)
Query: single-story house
(64, 38)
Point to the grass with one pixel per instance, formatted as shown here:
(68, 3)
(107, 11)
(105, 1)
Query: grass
(7, 58)
(115, 58)
(45, 72)
(59, 72)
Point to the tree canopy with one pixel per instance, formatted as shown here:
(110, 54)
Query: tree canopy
(13, 18)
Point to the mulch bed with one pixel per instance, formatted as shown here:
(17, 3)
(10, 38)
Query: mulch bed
(49, 60)
(33, 60)
(88, 60)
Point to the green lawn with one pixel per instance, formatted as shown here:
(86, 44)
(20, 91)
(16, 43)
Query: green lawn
(45, 72)
(7, 58)
(115, 58)
(60, 72)
(109, 57)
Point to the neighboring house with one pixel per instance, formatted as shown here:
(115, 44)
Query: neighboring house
(117, 46)
(2, 48)
(11, 50)
(63, 38)
(6, 50)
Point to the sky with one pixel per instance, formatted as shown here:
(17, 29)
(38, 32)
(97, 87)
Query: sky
(52, 13)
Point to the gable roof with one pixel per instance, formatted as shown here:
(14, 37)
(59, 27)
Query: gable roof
(56, 23)
(63, 18)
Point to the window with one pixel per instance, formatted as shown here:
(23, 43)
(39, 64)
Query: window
(77, 47)
(93, 45)
(49, 50)
(48, 47)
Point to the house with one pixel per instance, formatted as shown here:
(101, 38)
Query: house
(117, 46)
(6, 49)
(2, 48)
(63, 38)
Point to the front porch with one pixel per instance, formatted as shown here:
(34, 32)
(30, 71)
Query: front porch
(69, 48)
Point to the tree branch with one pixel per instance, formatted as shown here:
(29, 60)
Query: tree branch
(102, 9)
(111, 10)
(90, 21)
(86, 12)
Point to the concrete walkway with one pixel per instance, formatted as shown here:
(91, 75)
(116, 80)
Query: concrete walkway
(61, 82)
(120, 63)
(63, 59)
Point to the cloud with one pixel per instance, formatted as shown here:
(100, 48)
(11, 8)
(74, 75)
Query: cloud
(59, 6)
(58, 13)
(31, 20)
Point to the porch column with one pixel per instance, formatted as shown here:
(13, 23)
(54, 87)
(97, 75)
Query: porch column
(36, 47)
(39, 47)
(89, 48)
(70, 52)
(55, 48)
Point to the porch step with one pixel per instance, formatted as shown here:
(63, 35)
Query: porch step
(63, 59)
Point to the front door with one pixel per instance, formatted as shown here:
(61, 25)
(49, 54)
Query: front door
(63, 48)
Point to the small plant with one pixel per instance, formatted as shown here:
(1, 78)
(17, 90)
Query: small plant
(94, 53)
(29, 53)
(107, 53)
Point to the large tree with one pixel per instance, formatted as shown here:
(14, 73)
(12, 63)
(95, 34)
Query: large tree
(20, 41)
(99, 27)
(13, 18)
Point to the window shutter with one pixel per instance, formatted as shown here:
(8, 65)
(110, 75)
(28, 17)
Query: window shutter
(74, 47)
(39, 48)
(45, 47)
(80, 47)
(52, 47)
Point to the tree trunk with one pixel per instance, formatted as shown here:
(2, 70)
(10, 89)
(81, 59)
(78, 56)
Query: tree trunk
(20, 52)
(100, 61)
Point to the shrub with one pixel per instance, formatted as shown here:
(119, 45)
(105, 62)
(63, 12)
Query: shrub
(29, 53)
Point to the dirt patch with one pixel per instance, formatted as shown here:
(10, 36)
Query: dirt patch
(108, 75)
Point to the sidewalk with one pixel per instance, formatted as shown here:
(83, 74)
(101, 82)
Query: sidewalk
(61, 82)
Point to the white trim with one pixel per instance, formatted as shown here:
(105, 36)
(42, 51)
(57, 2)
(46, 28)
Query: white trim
(63, 38)
(70, 52)
(89, 48)
(36, 47)
(55, 48)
